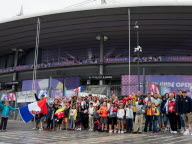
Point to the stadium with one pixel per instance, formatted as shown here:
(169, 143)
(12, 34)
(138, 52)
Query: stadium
(114, 47)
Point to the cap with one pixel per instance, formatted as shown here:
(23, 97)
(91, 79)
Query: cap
(50, 103)
(149, 93)
(184, 92)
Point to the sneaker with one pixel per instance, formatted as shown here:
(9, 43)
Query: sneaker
(34, 128)
(4, 130)
(182, 131)
(154, 133)
(186, 132)
(110, 131)
(172, 131)
(119, 132)
(115, 131)
(41, 129)
(175, 132)
(79, 129)
(122, 132)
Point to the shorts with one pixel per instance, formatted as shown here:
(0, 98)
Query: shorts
(159, 118)
(187, 117)
(66, 120)
(60, 121)
(113, 120)
(80, 122)
(42, 119)
(120, 120)
(104, 120)
(37, 119)
(165, 118)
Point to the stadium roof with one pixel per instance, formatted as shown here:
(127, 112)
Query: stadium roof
(163, 30)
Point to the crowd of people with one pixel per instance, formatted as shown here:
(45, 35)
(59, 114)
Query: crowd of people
(131, 114)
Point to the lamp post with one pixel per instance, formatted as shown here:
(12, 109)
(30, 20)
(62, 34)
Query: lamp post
(137, 50)
(102, 39)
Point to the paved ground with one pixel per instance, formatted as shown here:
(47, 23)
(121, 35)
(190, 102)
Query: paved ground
(21, 133)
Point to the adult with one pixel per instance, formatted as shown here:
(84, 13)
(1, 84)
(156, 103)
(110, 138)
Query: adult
(148, 98)
(187, 112)
(179, 111)
(163, 111)
(157, 102)
(171, 112)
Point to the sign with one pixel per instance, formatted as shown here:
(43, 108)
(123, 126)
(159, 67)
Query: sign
(21, 97)
(25, 96)
(100, 77)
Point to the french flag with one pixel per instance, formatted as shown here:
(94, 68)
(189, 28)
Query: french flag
(27, 111)
(79, 89)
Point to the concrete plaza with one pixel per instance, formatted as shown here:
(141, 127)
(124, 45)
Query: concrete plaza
(18, 132)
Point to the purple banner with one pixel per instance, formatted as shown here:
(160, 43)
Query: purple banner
(170, 82)
(57, 83)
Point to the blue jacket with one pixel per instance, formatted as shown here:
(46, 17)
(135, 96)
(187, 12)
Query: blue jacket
(6, 109)
(187, 106)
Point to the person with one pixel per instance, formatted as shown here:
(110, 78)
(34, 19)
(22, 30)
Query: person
(120, 118)
(171, 112)
(90, 112)
(148, 117)
(157, 102)
(112, 118)
(72, 117)
(96, 118)
(129, 116)
(59, 116)
(134, 99)
(49, 116)
(179, 111)
(140, 109)
(66, 116)
(187, 112)
(148, 98)
(103, 111)
(163, 112)
(5, 114)
(155, 114)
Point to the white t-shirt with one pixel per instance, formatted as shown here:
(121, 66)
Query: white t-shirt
(72, 112)
(120, 113)
(91, 110)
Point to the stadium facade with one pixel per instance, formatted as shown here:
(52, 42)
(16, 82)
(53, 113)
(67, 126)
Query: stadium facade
(69, 45)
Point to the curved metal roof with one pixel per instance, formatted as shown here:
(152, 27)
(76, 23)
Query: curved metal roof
(163, 30)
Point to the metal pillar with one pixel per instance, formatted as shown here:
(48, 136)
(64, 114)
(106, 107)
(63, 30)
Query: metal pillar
(144, 81)
(101, 58)
(15, 64)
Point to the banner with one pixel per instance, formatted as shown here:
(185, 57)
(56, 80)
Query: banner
(25, 96)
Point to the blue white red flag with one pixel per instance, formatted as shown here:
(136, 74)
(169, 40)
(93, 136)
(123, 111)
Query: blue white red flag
(27, 112)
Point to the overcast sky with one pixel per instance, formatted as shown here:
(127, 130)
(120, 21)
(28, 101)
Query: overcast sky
(10, 8)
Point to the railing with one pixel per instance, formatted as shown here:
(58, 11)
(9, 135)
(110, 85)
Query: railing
(96, 61)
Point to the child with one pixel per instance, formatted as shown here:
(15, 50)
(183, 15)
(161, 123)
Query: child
(103, 111)
(95, 118)
(90, 111)
(148, 117)
(140, 109)
(59, 113)
(5, 114)
(72, 117)
(50, 115)
(120, 118)
(129, 117)
(66, 116)
(112, 118)
(155, 114)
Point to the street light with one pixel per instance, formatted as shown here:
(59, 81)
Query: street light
(137, 50)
